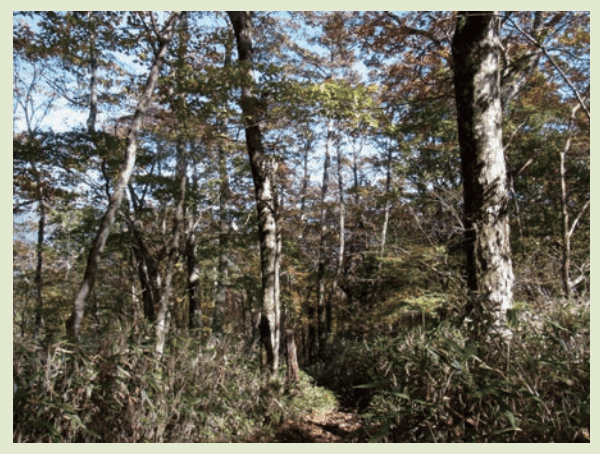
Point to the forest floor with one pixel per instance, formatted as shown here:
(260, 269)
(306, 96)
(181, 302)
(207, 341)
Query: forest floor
(319, 427)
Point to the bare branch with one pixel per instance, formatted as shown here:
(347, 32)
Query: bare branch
(583, 208)
(560, 71)
(410, 30)
(515, 132)
(583, 269)
(148, 31)
(154, 25)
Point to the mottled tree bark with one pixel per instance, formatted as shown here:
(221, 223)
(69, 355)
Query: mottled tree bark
(476, 50)
(263, 174)
(73, 324)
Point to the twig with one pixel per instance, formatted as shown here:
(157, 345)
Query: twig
(560, 71)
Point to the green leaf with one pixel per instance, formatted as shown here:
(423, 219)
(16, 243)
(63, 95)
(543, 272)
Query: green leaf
(511, 419)
(479, 393)
(376, 384)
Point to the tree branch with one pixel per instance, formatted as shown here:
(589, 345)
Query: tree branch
(411, 30)
(560, 71)
(583, 208)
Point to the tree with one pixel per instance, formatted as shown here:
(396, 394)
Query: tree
(224, 194)
(568, 226)
(376, 221)
(73, 324)
(263, 174)
(24, 99)
(178, 106)
(476, 51)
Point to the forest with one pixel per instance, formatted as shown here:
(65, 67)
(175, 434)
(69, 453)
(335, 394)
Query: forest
(347, 226)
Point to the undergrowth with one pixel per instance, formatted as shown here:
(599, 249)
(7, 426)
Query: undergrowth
(441, 385)
(116, 390)
(423, 384)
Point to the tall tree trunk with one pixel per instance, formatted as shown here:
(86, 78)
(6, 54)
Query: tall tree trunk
(263, 174)
(91, 121)
(386, 215)
(342, 226)
(73, 324)
(355, 155)
(305, 176)
(321, 311)
(223, 269)
(150, 280)
(192, 268)
(311, 335)
(568, 228)
(278, 200)
(476, 50)
(566, 240)
(162, 327)
(39, 283)
(308, 341)
(292, 359)
(193, 283)
(148, 275)
(342, 208)
(178, 105)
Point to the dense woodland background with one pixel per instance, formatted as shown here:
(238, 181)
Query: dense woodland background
(201, 199)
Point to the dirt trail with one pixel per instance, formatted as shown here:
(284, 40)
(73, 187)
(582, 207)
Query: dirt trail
(328, 427)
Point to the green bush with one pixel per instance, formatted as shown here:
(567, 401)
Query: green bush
(440, 385)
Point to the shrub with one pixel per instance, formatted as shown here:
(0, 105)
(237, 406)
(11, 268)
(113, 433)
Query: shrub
(438, 384)
(116, 390)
